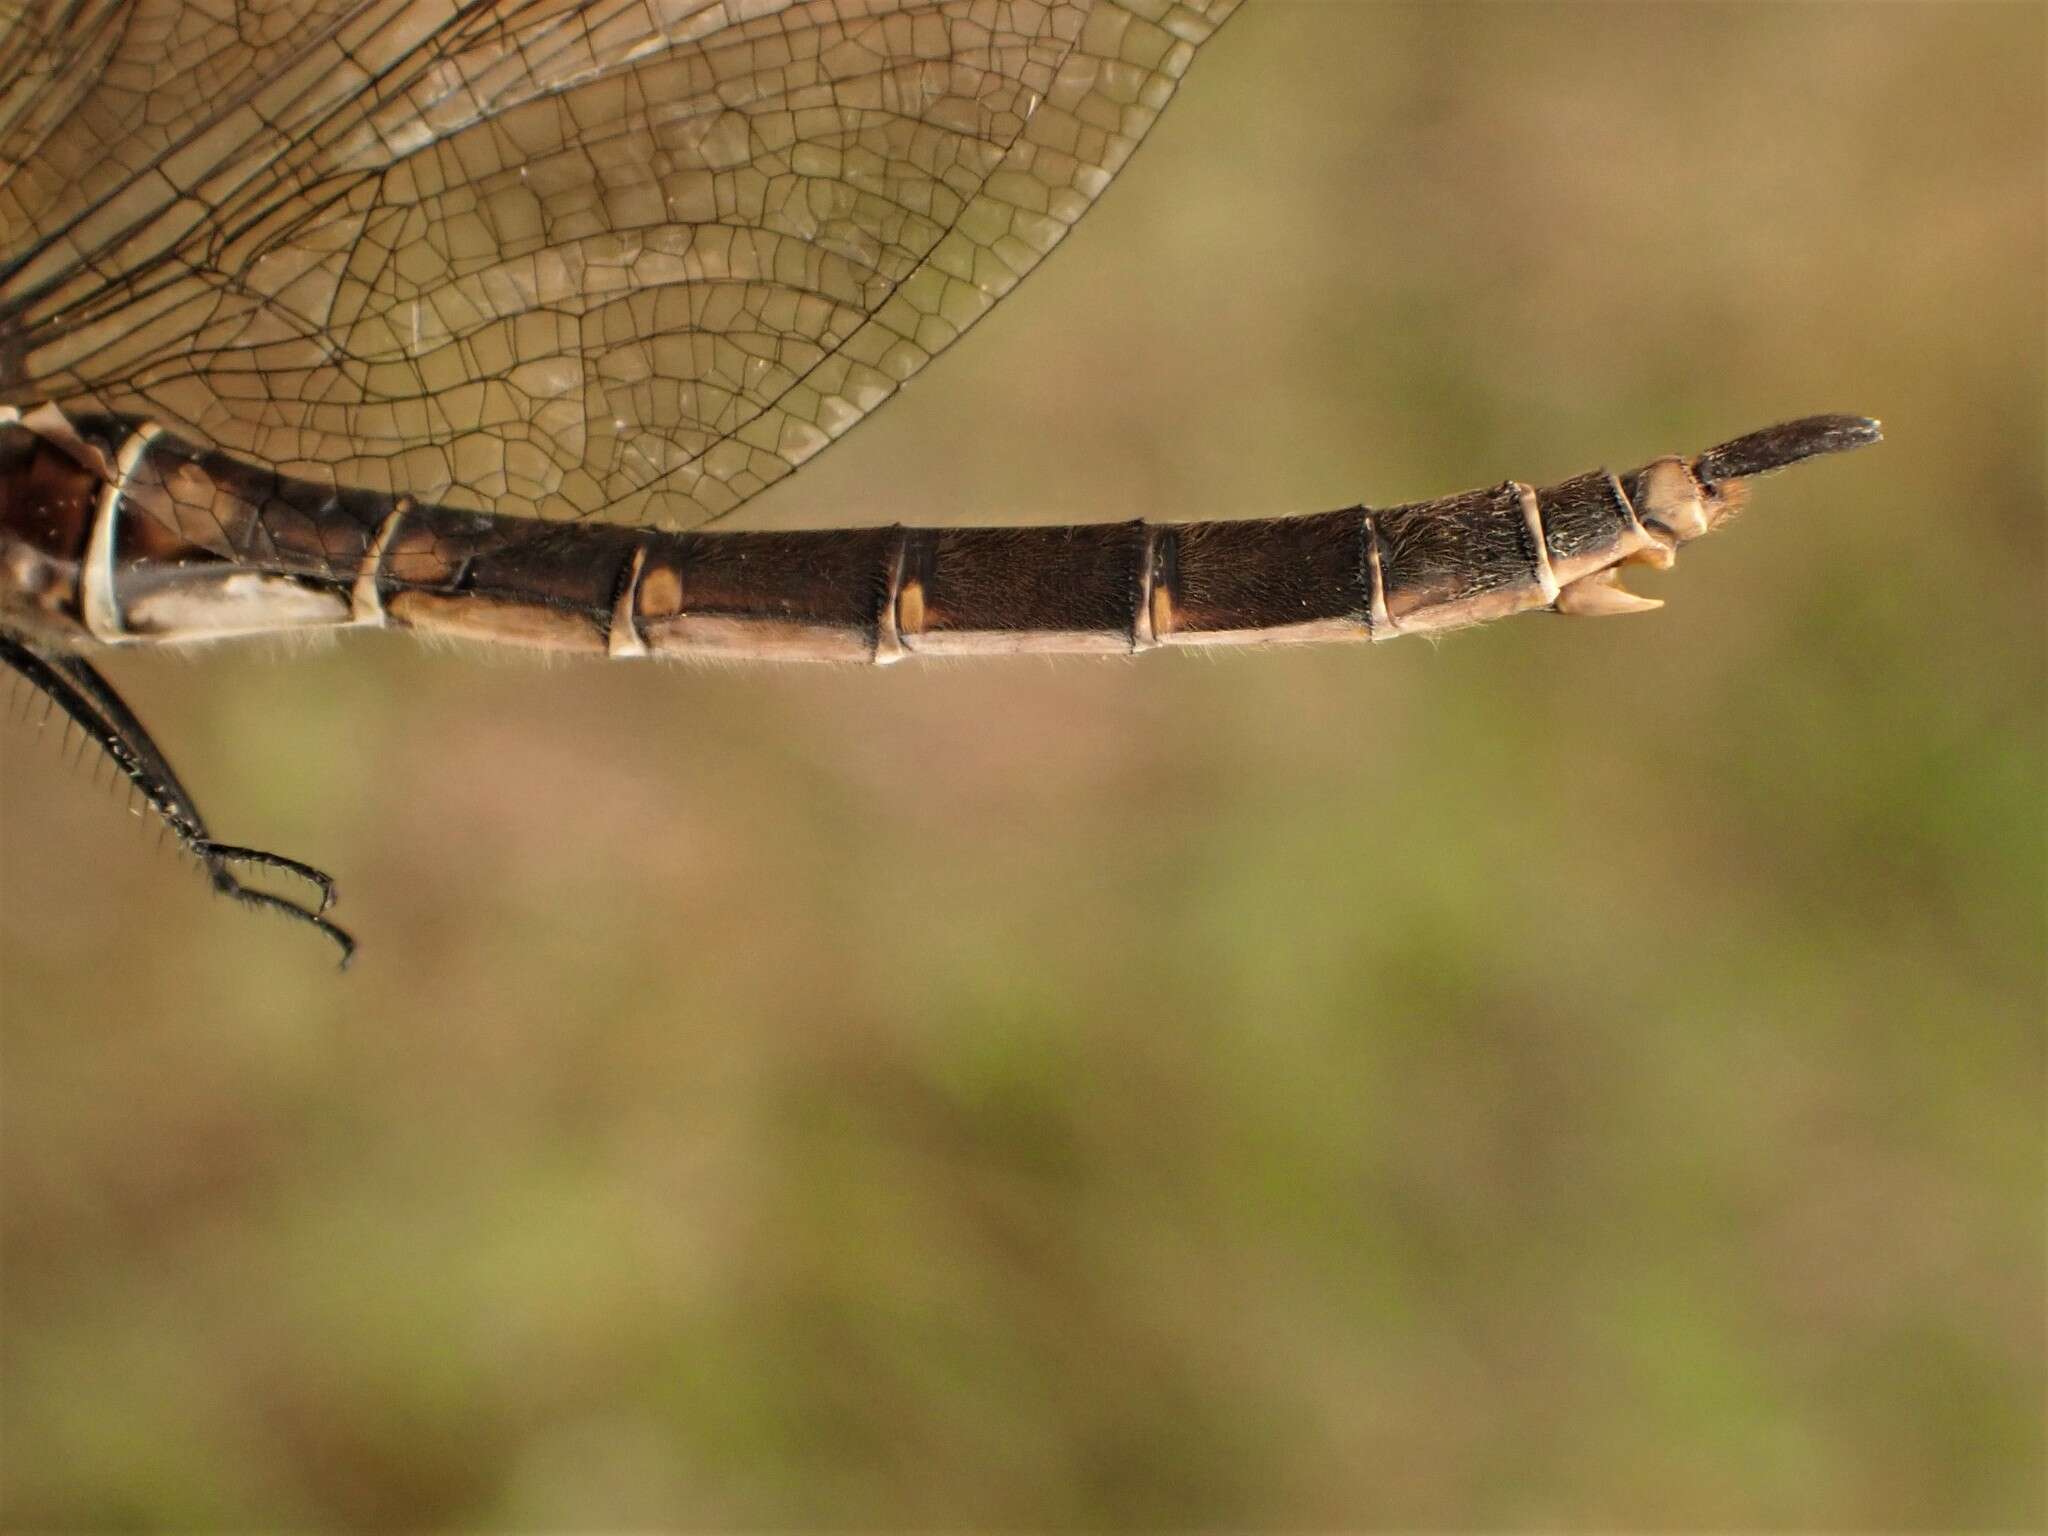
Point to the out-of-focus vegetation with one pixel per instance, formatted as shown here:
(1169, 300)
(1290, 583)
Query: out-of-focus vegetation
(1578, 1073)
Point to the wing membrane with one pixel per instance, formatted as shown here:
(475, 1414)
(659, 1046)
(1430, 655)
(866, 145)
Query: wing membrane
(635, 259)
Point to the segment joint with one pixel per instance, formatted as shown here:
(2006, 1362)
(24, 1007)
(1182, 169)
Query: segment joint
(1539, 544)
(99, 606)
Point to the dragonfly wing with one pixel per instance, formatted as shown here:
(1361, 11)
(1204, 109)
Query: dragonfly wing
(635, 259)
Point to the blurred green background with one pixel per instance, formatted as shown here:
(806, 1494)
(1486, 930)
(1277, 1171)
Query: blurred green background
(1578, 1074)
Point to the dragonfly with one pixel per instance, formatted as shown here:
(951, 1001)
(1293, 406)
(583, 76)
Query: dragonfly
(480, 317)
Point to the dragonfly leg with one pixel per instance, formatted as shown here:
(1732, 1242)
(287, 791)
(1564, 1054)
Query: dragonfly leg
(216, 857)
(260, 858)
(91, 703)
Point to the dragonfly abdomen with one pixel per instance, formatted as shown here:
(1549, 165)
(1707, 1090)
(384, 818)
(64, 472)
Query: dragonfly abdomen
(118, 532)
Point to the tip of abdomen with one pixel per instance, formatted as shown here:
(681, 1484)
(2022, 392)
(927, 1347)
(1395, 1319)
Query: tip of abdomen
(1786, 444)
